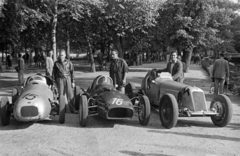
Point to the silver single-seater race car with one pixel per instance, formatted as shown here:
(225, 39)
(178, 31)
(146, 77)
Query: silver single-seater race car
(102, 99)
(175, 100)
(35, 101)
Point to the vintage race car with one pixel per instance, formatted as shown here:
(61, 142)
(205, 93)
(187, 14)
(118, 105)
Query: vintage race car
(102, 99)
(35, 101)
(175, 100)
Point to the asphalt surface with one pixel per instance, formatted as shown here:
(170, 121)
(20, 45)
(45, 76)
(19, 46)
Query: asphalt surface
(191, 136)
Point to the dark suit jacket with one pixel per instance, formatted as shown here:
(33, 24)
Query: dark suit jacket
(177, 71)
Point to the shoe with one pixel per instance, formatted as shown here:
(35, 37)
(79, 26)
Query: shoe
(74, 112)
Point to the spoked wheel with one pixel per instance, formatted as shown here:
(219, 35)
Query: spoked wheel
(131, 90)
(223, 105)
(144, 111)
(211, 90)
(83, 111)
(62, 109)
(168, 111)
(4, 111)
(77, 94)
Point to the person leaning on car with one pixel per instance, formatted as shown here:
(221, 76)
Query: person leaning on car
(118, 70)
(220, 73)
(64, 78)
(174, 67)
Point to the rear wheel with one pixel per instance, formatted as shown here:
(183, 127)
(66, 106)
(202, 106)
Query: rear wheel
(144, 111)
(168, 111)
(4, 111)
(223, 105)
(83, 111)
(62, 109)
(131, 90)
(77, 94)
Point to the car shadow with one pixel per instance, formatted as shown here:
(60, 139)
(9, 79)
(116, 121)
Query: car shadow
(215, 137)
(133, 153)
(16, 125)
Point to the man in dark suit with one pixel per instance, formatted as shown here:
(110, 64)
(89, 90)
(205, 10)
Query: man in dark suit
(174, 67)
(220, 74)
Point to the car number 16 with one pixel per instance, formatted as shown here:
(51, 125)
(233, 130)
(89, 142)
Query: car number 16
(117, 101)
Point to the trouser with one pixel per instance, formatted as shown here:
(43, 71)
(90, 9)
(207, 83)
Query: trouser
(121, 89)
(218, 85)
(179, 80)
(65, 87)
(20, 77)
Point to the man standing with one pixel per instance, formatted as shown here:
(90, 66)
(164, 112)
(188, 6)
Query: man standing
(118, 70)
(20, 69)
(49, 64)
(220, 74)
(174, 67)
(64, 78)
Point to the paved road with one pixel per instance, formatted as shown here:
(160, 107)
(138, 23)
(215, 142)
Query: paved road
(191, 136)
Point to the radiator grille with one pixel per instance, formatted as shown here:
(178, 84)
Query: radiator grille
(29, 111)
(199, 102)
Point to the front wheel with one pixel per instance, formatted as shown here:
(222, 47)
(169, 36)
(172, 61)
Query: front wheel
(77, 94)
(83, 111)
(131, 90)
(223, 105)
(62, 109)
(168, 111)
(144, 111)
(4, 111)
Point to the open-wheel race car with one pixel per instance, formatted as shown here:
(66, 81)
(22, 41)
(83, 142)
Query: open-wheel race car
(102, 99)
(35, 101)
(175, 100)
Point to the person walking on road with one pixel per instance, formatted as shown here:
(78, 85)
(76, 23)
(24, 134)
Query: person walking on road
(64, 78)
(49, 64)
(174, 67)
(118, 70)
(220, 74)
(20, 70)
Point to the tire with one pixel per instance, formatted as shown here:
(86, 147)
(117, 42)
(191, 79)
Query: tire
(168, 111)
(83, 111)
(14, 95)
(131, 90)
(62, 109)
(4, 112)
(77, 94)
(145, 111)
(223, 105)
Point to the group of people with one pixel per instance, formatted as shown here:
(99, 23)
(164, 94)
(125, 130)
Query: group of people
(62, 71)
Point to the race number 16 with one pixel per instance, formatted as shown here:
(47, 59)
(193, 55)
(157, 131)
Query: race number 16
(117, 101)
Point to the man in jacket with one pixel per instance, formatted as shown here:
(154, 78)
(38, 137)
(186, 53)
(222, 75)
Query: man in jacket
(64, 78)
(118, 70)
(220, 74)
(174, 67)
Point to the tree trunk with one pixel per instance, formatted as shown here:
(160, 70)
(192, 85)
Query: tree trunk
(54, 25)
(187, 55)
(93, 68)
(117, 45)
(68, 46)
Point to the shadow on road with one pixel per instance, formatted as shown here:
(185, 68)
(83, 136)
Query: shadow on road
(217, 137)
(132, 153)
(16, 125)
